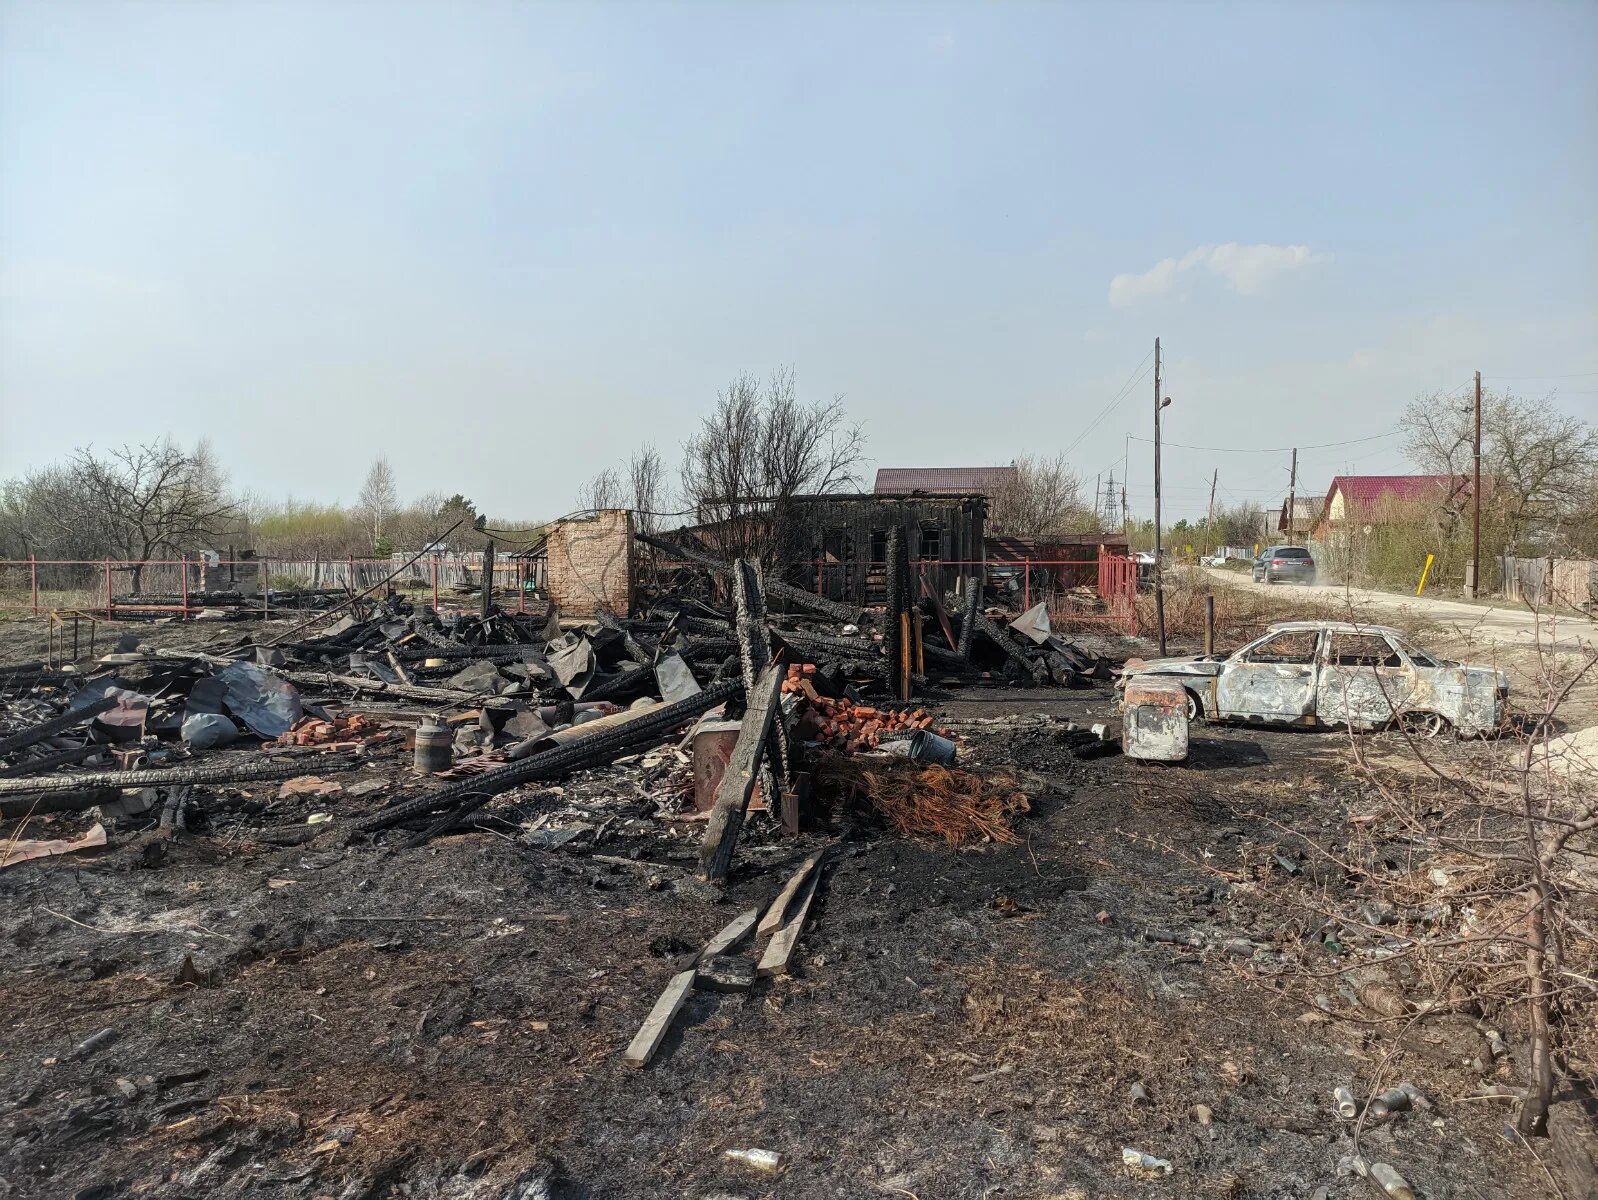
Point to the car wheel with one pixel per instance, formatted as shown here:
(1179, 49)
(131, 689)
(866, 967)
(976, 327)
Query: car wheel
(1424, 724)
(1195, 708)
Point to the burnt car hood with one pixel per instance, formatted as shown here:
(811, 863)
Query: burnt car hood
(1196, 665)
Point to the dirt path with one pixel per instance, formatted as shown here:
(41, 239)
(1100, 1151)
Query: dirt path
(1509, 625)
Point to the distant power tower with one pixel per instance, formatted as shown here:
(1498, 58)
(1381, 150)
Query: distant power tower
(1109, 504)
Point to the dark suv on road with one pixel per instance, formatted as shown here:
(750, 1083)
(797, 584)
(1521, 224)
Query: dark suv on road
(1277, 564)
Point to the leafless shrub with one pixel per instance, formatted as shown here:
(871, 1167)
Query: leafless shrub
(1042, 499)
(758, 448)
(1495, 898)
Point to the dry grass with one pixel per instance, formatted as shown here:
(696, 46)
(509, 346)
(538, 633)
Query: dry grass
(1242, 614)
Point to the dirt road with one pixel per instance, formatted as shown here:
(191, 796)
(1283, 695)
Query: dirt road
(1506, 624)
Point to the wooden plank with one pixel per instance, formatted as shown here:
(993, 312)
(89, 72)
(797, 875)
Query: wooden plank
(738, 782)
(783, 943)
(779, 907)
(658, 1024)
(735, 931)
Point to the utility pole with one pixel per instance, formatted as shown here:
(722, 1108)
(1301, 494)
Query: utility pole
(1159, 581)
(1475, 502)
(1292, 497)
(1209, 521)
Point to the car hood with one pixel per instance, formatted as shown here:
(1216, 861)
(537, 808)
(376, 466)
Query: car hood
(1192, 665)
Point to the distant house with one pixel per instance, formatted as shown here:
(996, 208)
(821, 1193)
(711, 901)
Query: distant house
(1367, 499)
(1306, 512)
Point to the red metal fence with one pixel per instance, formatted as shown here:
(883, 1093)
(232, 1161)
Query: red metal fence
(1099, 590)
(177, 587)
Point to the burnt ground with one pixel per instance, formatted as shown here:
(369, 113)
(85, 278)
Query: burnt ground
(449, 1021)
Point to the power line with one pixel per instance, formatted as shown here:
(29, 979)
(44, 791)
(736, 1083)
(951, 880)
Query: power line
(1114, 400)
(1274, 449)
(1569, 375)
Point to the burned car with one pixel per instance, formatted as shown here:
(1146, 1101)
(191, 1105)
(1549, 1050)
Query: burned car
(1337, 673)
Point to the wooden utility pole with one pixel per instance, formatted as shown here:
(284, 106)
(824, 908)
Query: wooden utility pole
(1475, 502)
(1159, 581)
(1292, 497)
(1209, 521)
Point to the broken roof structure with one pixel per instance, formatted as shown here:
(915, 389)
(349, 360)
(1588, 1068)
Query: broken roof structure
(944, 481)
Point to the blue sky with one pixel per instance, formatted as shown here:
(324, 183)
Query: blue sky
(504, 244)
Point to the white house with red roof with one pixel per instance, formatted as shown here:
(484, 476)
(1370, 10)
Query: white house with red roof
(1367, 499)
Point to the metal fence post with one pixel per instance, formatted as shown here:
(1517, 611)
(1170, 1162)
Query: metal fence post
(183, 566)
(435, 583)
(1026, 584)
(33, 581)
(110, 608)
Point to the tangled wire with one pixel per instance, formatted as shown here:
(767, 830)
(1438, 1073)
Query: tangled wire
(929, 802)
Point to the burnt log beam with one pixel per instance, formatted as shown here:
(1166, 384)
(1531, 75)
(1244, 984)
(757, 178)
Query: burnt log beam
(776, 587)
(49, 762)
(326, 682)
(55, 725)
(1002, 639)
(470, 794)
(244, 770)
(973, 606)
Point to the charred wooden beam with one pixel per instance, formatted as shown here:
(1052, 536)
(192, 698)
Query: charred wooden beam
(471, 793)
(743, 770)
(783, 591)
(243, 770)
(55, 725)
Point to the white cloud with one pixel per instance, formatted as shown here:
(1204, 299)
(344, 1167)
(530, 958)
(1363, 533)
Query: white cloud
(1249, 270)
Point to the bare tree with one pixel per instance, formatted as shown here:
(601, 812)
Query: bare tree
(378, 499)
(1042, 499)
(604, 490)
(1540, 461)
(138, 501)
(646, 485)
(756, 450)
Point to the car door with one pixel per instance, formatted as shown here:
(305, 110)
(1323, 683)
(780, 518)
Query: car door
(1364, 679)
(1272, 679)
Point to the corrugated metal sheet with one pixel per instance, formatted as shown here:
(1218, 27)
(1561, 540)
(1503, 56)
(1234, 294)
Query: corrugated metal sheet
(949, 481)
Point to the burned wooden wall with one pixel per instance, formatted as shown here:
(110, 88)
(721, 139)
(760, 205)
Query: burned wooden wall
(837, 545)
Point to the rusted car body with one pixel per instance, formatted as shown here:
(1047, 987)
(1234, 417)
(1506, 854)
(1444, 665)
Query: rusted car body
(1337, 673)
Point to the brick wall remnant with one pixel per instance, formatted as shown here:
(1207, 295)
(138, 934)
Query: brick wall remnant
(591, 563)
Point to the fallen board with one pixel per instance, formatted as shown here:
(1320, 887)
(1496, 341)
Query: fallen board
(779, 906)
(742, 771)
(779, 951)
(736, 930)
(658, 1024)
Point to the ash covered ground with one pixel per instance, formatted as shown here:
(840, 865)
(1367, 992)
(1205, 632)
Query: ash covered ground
(1144, 968)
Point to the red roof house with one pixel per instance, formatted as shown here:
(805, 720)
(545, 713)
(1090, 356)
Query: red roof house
(1359, 497)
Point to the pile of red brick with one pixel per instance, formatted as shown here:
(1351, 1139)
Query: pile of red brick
(844, 724)
(348, 732)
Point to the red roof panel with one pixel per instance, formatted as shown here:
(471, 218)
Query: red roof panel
(952, 481)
